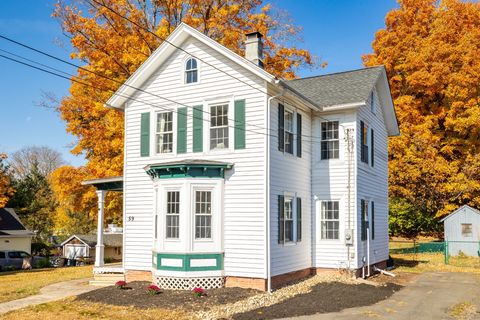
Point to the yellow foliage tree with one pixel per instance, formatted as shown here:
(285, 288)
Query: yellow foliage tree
(6, 190)
(431, 51)
(113, 47)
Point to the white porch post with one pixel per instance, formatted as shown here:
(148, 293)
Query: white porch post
(99, 248)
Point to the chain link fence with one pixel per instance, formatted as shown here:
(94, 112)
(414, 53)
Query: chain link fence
(455, 253)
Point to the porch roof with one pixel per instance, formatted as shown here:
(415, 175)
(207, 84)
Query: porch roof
(106, 184)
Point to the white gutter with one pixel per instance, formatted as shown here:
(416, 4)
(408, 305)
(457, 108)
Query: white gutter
(267, 192)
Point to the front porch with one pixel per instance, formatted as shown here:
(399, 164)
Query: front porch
(105, 274)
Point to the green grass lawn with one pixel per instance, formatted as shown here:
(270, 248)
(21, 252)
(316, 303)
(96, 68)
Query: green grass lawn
(23, 283)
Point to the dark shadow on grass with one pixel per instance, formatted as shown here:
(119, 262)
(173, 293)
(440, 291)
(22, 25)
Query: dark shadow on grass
(324, 298)
(410, 263)
(6, 273)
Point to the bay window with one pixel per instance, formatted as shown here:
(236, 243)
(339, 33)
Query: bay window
(173, 215)
(203, 214)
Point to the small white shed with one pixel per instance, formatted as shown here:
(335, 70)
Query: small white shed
(462, 231)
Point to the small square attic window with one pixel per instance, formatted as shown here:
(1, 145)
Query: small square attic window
(466, 229)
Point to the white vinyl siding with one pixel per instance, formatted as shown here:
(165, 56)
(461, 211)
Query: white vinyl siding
(372, 184)
(330, 182)
(290, 176)
(243, 221)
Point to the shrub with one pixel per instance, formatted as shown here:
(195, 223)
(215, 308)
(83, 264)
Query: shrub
(199, 292)
(153, 289)
(108, 260)
(121, 284)
(44, 263)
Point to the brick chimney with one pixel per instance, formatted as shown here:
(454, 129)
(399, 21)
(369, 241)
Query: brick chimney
(254, 48)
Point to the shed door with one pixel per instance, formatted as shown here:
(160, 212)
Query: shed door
(75, 251)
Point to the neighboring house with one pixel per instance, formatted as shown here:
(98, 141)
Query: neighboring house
(462, 231)
(234, 177)
(13, 234)
(83, 246)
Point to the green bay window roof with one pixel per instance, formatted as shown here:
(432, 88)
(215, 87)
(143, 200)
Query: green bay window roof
(188, 169)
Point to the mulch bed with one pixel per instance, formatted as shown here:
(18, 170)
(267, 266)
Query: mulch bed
(324, 298)
(138, 297)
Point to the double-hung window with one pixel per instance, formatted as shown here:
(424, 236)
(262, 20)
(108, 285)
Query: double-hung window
(203, 214)
(288, 131)
(364, 142)
(288, 216)
(164, 132)
(329, 220)
(466, 230)
(364, 219)
(330, 143)
(191, 71)
(219, 126)
(173, 215)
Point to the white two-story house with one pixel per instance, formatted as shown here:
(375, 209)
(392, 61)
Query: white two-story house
(233, 177)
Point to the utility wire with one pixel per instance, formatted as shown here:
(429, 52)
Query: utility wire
(120, 82)
(183, 50)
(73, 78)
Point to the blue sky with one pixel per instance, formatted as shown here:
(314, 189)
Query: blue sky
(338, 32)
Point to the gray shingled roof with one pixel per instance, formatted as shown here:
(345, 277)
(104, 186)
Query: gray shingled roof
(338, 88)
(9, 220)
(109, 239)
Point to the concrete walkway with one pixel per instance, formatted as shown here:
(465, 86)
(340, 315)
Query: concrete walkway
(49, 293)
(430, 296)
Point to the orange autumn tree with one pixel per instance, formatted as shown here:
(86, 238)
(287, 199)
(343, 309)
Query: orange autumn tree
(114, 47)
(6, 190)
(431, 50)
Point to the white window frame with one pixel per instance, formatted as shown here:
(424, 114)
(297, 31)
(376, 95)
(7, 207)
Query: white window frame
(329, 140)
(167, 214)
(286, 132)
(471, 230)
(227, 126)
(321, 220)
(366, 127)
(372, 102)
(290, 196)
(157, 133)
(185, 71)
(195, 214)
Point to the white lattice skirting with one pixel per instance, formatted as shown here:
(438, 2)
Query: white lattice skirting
(174, 283)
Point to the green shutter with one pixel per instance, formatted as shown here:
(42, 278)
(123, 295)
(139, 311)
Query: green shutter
(299, 219)
(299, 135)
(373, 220)
(197, 129)
(145, 134)
(372, 147)
(182, 130)
(281, 129)
(240, 124)
(281, 220)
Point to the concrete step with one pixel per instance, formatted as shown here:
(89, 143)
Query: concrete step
(106, 279)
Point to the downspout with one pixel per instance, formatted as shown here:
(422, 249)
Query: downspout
(267, 190)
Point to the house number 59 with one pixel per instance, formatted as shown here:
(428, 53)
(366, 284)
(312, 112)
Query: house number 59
(131, 218)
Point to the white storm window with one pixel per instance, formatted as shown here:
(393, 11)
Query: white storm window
(288, 131)
(288, 214)
(219, 127)
(173, 215)
(329, 219)
(164, 132)
(203, 214)
(191, 71)
(330, 140)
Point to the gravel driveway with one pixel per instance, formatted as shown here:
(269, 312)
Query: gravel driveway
(429, 296)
